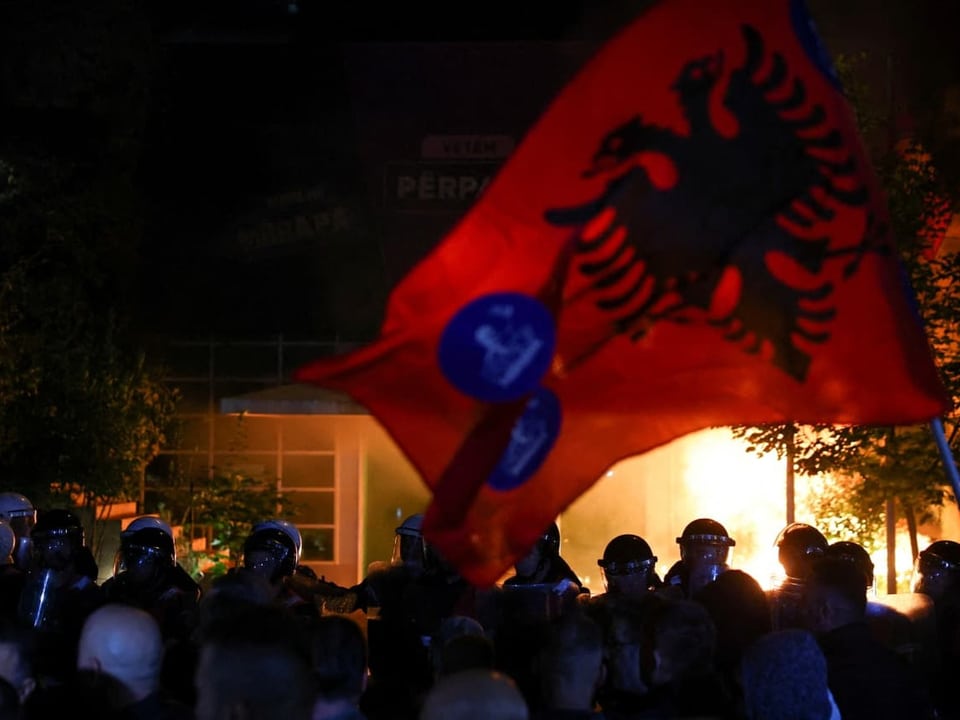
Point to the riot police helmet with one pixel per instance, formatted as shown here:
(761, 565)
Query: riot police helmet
(409, 547)
(58, 537)
(936, 571)
(412, 526)
(798, 546)
(705, 531)
(627, 555)
(17, 510)
(541, 555)
(287, 527)
(146, 547)
(271, 550)
(856, 554)
(152, 522)
(549, 541)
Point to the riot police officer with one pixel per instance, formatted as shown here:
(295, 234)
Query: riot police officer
(410, 550)
(382, 589)
(60, 590)
(543, 587)
(936, 572)
(272, 549)
(146, 575)
(799, 546)
(704, 554)
(543, 564)
(407, 599)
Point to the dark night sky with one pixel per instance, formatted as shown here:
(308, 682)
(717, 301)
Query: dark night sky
(319, 20)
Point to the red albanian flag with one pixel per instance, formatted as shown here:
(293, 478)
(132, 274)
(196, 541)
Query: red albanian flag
(689, 237)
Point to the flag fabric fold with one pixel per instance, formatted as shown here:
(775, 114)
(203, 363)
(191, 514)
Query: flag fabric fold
(690, 236)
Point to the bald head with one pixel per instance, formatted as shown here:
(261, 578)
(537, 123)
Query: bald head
(125, 643)
(474, 695)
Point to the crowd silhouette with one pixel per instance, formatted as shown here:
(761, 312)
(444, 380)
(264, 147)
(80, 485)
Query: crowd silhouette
(413, 639)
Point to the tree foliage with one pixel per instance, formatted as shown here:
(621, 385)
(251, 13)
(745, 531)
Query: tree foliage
(82, 411)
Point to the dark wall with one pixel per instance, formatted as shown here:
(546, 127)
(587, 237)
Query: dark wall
(276, 146)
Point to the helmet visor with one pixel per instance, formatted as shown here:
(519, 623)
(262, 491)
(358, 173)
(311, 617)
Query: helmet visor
(140, 561)
(408, 550)
(262, 562)
(628, 577)
(23, 524)
(55, 551)
(631, 584)
(629, 567)
(705, 563)
(932, 576)
(705, 553)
